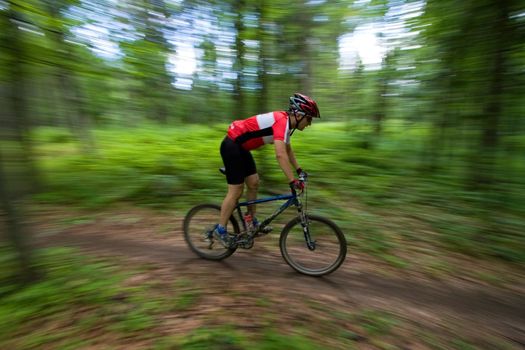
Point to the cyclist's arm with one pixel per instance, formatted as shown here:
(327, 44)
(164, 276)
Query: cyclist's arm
(291, 156)
(283, 159)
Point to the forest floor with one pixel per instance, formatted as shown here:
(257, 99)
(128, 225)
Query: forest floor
(366, 304)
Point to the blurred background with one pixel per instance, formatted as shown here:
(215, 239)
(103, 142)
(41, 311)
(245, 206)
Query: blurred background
(422, 136)
(421, 103)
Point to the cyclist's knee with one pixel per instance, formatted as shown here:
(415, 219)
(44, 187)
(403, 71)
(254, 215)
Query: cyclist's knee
(253, 186)
(252, 182)
(235, 191)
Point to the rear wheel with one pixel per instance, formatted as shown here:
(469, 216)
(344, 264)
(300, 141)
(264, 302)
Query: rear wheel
(329, 249)
(198, 225)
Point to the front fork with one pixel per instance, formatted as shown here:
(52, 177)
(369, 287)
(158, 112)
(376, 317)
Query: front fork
(306, 226)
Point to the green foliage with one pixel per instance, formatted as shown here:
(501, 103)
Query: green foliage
(9, 270)
(432, 136)
(48, 135)
(227, 337)
(149, 166)
(133, 321)
(68, 283)
(462, 345)
(274, 340)
(76, 296)
(376, 322)
(174, 167)
(186, 300)
(221, 338)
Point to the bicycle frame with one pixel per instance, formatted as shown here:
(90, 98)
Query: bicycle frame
(291, 199)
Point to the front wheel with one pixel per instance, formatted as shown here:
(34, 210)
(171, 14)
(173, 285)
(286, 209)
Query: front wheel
(324, 256)
(198, 225)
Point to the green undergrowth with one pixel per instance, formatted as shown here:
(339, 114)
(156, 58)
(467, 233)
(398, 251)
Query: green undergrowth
(83, 302)
(361, 187)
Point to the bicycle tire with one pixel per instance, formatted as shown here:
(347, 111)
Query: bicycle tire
(329, 239)
(198, 221)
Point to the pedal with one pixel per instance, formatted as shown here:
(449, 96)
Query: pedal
(264, 231)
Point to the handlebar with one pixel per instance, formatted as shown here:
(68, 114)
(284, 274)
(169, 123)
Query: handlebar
(302, 179)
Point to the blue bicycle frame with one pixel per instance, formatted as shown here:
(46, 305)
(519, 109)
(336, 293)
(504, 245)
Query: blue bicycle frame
(291, 199)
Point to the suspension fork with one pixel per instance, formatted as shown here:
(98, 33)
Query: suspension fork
(305, 225)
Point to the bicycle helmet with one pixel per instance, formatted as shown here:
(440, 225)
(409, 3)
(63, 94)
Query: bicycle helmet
(304, 105)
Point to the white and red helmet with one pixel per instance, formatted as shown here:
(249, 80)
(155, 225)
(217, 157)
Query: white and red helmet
(303, 104)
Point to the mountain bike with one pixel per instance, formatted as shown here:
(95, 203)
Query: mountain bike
(310, 244)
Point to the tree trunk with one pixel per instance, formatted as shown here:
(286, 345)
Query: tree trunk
(79, 122)
(489, 140)
(239, 64)
(262, 101)
(17, 233)
(380, 112)
(19, 118)
(305, 19)
(15, 130)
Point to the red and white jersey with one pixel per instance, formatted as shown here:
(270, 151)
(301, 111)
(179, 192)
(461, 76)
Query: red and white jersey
(260, 129)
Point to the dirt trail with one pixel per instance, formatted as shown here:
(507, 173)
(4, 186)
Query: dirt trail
(473, 307)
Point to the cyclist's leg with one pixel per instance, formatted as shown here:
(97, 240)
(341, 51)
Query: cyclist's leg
(252, 184)
(232, 157)
(229, 202)
(251, 178)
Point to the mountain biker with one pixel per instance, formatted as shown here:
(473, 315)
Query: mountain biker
(251, 133)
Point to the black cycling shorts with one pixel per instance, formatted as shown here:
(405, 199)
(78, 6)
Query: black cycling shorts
(238, 162)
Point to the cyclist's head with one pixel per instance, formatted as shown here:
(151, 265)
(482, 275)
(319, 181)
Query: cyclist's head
(303, 105)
